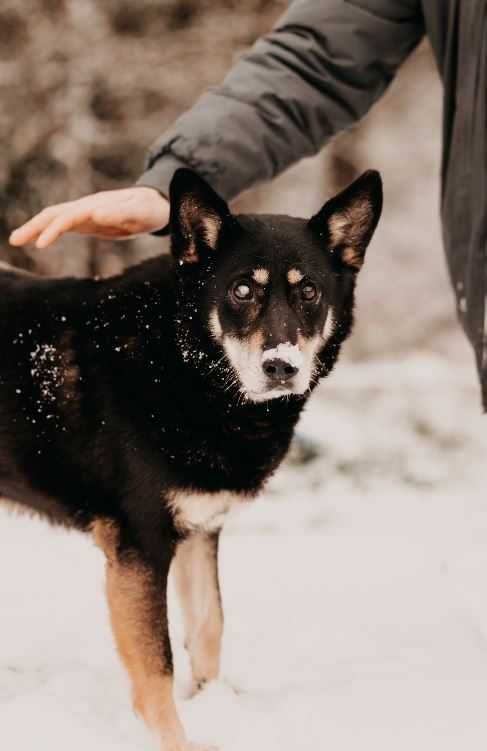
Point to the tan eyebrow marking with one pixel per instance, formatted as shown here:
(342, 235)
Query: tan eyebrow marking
(260, 275)
(294, 276)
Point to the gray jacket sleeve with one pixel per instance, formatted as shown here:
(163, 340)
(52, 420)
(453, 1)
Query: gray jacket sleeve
(318, 71)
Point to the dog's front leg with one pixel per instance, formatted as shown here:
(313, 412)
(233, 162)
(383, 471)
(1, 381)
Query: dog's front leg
(196, 578)
(137, 600)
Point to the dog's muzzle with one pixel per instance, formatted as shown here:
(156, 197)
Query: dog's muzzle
(272, 372)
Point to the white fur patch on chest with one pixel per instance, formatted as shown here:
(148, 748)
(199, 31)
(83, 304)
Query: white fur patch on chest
(204, 512)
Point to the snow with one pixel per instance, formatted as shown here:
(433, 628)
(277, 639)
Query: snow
(47, 371)
(285, 351)
(355, 592)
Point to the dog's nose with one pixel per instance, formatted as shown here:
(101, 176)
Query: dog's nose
(279, 371)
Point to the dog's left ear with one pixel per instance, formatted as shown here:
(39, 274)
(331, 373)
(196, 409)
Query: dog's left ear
(347, 222)
(198, 216)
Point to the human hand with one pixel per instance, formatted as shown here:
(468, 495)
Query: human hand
(114, 214)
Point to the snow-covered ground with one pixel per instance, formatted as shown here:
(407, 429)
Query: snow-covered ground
(355, 593)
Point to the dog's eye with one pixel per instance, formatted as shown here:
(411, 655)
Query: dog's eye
(309, 292)
(242, 291)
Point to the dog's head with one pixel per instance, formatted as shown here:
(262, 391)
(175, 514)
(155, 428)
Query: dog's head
(273, 293)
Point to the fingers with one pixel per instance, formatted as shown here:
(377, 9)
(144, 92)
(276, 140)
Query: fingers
(29, 231)
(54, 221)
(114, 214)
(70, 215)
(58, 225)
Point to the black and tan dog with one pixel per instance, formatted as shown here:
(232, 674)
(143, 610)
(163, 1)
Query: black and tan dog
(142, 407)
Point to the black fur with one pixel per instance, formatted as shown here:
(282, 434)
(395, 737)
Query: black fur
(111, 392)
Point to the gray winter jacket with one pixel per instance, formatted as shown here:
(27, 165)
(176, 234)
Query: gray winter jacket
(318, 71)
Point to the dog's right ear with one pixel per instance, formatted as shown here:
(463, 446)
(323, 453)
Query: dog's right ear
(346, 223)
(198, 217)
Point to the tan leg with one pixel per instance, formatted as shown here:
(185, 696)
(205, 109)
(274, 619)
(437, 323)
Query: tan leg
(195, 570)
(137, 601)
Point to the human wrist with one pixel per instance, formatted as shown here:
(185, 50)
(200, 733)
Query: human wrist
(159, 208)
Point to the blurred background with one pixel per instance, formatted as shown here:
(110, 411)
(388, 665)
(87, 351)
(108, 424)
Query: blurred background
(370, 544)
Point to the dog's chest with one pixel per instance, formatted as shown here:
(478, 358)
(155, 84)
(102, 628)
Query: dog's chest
(204, 512)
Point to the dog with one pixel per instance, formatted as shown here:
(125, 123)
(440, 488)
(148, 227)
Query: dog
(142, 408)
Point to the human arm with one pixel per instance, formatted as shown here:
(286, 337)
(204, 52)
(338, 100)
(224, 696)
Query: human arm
(316, 73)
